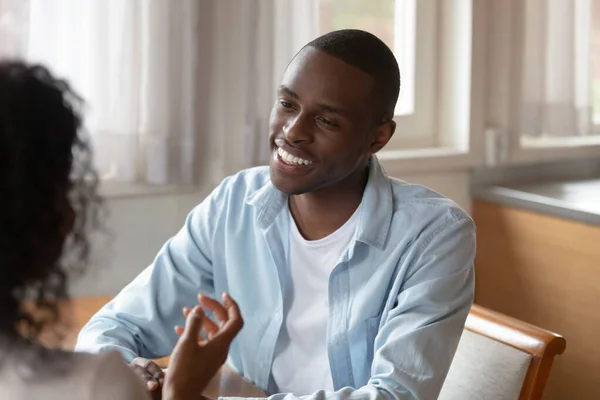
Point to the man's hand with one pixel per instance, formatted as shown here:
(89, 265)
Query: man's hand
(195, 361)
(150, 373)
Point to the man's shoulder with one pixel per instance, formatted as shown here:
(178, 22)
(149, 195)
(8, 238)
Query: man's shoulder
(425, 202)
(425, 219)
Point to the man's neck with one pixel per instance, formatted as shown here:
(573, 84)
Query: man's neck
(319, 214)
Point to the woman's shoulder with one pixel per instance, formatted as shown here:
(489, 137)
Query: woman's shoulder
(73, 376)
(110, 377)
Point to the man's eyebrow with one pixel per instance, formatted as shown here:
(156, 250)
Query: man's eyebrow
(324, 107)
(288, 91)
(332, 109)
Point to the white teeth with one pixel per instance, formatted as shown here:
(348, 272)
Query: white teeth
(290, 159)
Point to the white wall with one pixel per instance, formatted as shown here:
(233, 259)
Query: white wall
(453, 184)
(138, 226)
(135, 230)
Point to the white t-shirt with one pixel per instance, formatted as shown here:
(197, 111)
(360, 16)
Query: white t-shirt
(301, 362)
(86, 377)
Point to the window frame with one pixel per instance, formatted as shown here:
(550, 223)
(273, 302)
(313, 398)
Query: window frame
(417, 20)
(504, 145)
(457, 139)
(414, 130)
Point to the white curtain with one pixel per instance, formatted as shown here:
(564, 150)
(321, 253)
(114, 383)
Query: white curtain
(178, 91)
(134, 62)
(556, 68)
(253, 41)
(13, 27)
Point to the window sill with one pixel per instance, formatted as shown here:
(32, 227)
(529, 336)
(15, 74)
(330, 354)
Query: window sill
(425, 160)
(560, 142)
(110, 189)
(536, 150)
(395, 162)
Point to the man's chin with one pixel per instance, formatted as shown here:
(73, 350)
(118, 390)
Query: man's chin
(286, 185)
(287, 188)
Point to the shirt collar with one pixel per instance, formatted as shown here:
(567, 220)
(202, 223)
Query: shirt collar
(376, 206)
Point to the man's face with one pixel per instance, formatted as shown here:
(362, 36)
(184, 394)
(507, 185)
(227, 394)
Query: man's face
(321, 127)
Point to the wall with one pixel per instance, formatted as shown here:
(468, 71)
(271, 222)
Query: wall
(136, 228)
(544, 270)
(139, 224)
(453, 184)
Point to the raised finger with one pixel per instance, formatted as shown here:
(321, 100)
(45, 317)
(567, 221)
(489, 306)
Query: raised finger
(193, 324)
(233, 310)
(208, 325)
(213, 306)
(179, 331)
(234, 322)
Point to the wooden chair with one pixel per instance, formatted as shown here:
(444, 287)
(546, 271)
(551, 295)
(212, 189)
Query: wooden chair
(500, 357)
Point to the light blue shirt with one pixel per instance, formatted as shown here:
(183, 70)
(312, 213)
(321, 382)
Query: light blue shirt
(399, 295)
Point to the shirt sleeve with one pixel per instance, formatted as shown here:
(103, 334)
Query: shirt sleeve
(115, 380)
(139, 321)
(416, 342)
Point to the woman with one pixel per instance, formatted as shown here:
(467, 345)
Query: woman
(48, 205)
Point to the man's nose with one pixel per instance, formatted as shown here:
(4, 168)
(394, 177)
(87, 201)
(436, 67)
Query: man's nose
(298, 130)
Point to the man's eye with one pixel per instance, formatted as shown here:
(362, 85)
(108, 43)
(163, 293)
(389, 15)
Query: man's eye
(326, 121)
(286, 104)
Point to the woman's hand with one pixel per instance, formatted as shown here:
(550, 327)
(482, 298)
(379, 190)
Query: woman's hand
(194, 361)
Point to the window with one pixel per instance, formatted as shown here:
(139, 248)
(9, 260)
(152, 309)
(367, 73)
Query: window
(409, 28)
(436, 53)
(543, 80)
(596, 62)
(139, 105)
(379, 17)
(134, 124)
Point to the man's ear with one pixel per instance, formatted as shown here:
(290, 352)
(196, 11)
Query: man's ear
(383, 134)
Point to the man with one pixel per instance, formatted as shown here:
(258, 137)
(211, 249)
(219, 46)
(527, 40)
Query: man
(348, 281)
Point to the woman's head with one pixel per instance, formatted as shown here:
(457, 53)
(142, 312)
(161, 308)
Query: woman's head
(48, 194)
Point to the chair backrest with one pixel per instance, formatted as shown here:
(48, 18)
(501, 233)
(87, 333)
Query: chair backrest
(500, 357)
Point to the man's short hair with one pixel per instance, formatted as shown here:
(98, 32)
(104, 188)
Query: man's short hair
(368, 53)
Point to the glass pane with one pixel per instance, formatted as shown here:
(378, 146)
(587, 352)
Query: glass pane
(375, 16)
(379, 17)
(596, 61)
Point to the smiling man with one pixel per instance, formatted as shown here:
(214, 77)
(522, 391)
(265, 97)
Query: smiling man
(352, 285)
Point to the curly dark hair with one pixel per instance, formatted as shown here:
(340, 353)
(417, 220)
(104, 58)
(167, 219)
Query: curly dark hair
(48, 197)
